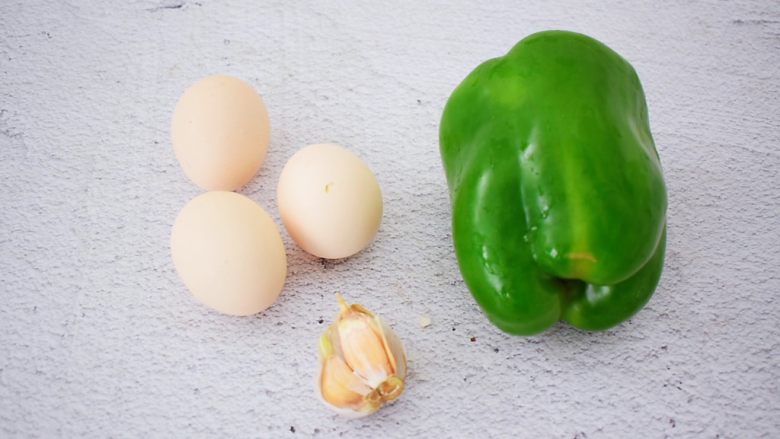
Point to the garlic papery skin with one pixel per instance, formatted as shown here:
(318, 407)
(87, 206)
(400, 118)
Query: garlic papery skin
(362, 362)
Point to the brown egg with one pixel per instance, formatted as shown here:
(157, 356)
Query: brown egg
(330, 201)
(229, 253)
(220, 132)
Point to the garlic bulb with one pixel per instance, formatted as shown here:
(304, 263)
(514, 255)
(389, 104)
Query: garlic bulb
(362, 362)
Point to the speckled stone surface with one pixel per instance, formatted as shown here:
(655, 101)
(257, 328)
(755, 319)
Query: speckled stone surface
(98, 338)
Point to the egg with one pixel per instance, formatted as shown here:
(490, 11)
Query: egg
(329, 201)
(229, 253)
(220, 131)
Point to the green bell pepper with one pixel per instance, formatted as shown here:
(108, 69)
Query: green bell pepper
(558, 200)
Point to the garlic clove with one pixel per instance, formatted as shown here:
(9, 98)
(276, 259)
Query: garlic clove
(395, 349)
(364, 349)
(340, 385)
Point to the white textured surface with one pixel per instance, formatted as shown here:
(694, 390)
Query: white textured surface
(98, 338)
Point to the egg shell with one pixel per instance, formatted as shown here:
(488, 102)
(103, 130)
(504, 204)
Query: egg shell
(229, 253)
(220, 131)
(330, 201)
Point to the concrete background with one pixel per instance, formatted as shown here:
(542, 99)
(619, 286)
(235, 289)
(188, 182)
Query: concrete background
(98, 338)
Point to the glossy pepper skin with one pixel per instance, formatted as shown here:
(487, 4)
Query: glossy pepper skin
(558, 200)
